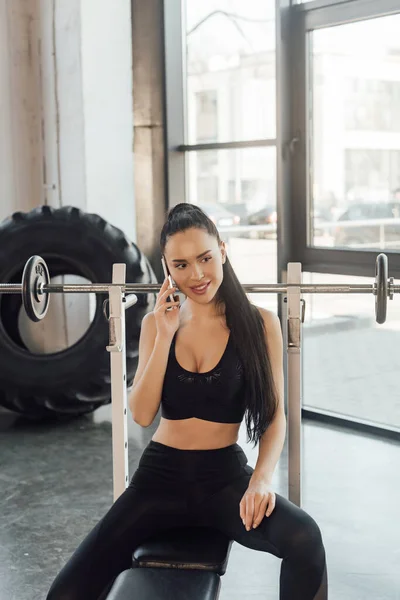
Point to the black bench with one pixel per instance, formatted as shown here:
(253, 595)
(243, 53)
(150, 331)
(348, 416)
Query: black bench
(177, 564)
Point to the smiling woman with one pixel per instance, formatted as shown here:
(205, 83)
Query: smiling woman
(196, 256)
(193, 472)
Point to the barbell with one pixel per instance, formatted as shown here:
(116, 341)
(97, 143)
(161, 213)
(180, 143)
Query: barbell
(36, 287)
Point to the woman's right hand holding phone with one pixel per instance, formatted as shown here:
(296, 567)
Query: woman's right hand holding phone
(167, 321)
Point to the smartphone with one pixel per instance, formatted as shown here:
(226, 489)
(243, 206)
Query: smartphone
(168, 276)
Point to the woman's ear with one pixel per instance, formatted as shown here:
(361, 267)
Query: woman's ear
(223, 252)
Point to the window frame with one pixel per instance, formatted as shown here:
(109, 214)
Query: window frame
(307, 18)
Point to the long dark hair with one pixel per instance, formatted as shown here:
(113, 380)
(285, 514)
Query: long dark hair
(244, 321)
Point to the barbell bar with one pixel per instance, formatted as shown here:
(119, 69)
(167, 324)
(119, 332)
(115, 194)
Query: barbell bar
(36, 287)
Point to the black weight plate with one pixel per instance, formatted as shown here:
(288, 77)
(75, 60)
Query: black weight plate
(381, 281)
(35, 273)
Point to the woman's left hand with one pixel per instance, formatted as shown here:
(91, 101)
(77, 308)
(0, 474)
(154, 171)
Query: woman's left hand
(257, 502)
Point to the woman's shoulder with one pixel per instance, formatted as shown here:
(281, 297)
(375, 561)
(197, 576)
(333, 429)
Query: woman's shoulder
(270, 318)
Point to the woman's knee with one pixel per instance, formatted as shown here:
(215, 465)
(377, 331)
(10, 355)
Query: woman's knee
(306, 538)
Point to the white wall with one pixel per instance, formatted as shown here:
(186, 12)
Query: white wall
(108, 109)
(66, 110)
(59, 32)
(20, 120)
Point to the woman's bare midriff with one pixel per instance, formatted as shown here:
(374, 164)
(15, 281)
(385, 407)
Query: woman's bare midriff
(196, 434)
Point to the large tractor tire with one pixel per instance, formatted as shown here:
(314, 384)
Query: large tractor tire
(75, 380)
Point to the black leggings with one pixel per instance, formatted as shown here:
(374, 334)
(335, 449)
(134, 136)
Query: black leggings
(179, 488)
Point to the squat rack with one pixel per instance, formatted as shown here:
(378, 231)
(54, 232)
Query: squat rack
(36, 288)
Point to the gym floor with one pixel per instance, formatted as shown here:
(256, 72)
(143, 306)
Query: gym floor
(56, 482)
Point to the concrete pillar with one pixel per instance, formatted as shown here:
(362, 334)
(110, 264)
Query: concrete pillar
(148, 109)
(66, 110)
(21, 160)
(59, 32)
(106, 53)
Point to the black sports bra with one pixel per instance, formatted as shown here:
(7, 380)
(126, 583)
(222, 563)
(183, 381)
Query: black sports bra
(217, 395)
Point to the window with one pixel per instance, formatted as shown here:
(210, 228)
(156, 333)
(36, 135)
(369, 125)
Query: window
(355, 151)
(372, 105)
(244, 177)
(206, 116)
(230, 57)
(206, 176)
(353, 371)
(371, 175)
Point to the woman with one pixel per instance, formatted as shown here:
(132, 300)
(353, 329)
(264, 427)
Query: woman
(209, 363)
